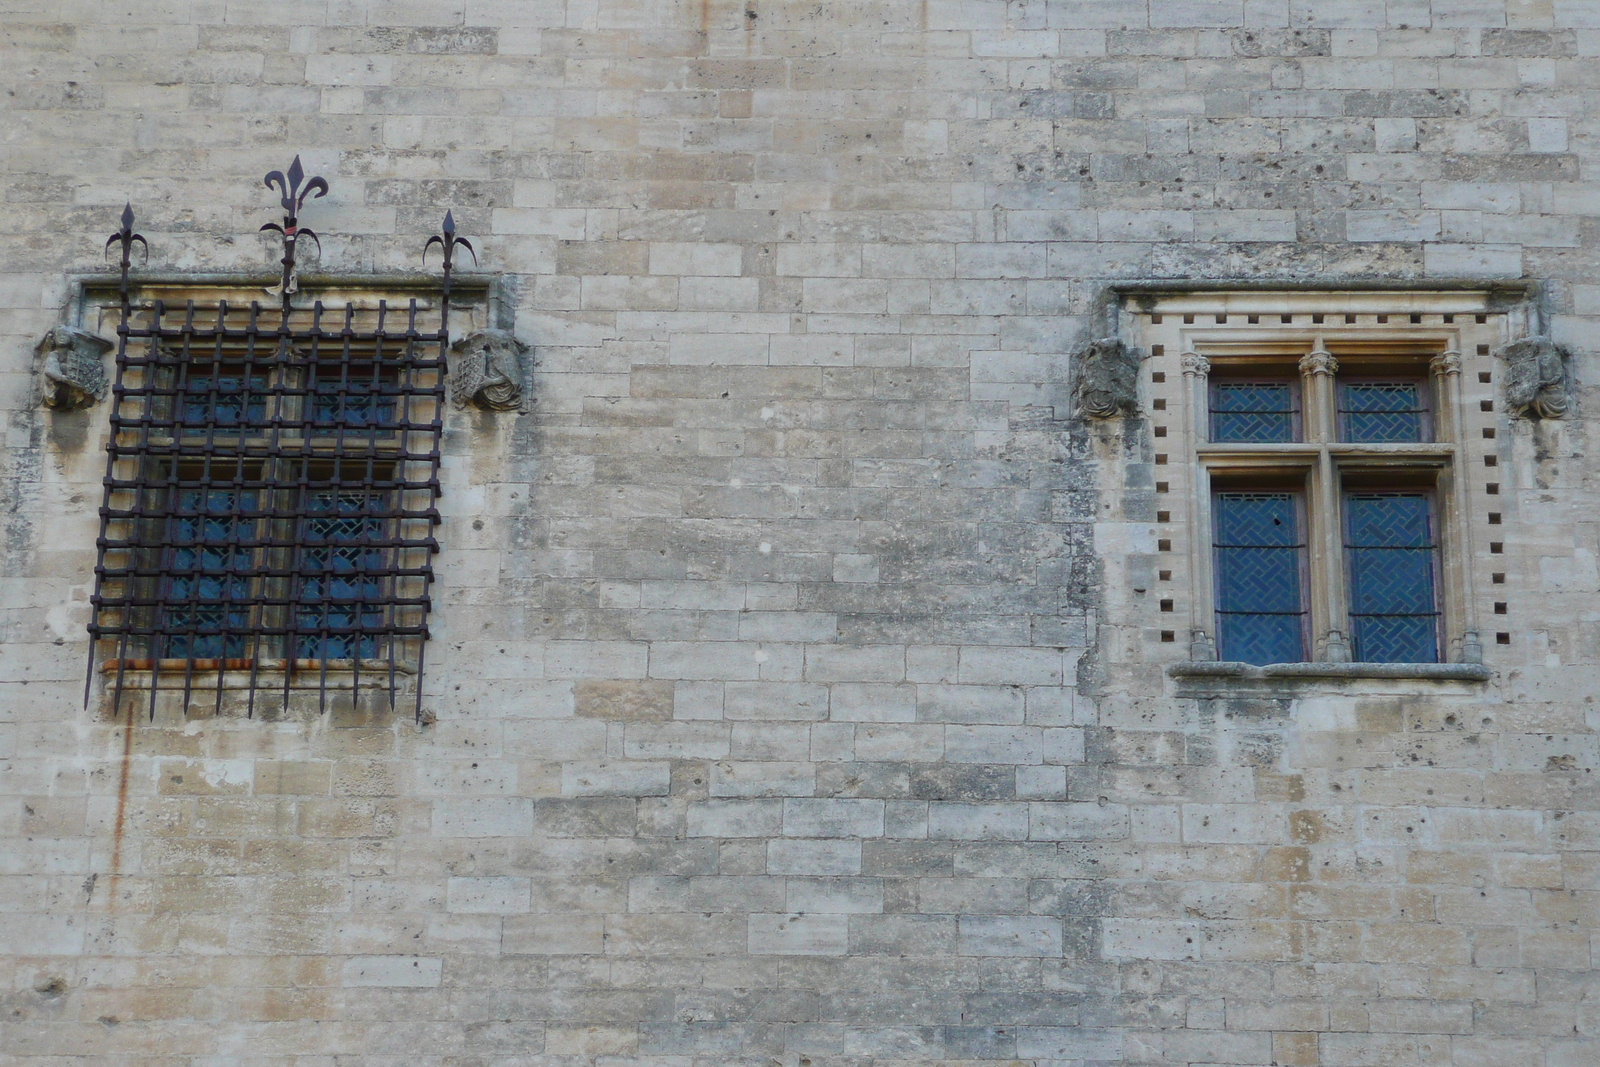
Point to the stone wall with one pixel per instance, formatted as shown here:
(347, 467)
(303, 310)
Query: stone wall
(773, 711)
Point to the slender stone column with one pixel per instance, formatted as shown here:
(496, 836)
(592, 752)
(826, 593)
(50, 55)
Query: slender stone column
(1329, 610)
(1197, 428)
(1462, 607)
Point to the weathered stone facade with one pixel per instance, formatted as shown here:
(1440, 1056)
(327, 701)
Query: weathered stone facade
(790, 699)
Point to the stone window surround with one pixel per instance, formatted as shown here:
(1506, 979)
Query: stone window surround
(1456, 354)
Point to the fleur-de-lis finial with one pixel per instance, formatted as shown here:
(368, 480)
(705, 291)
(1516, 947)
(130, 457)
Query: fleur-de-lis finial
(126, 236)
(448, 243)
(292, 197)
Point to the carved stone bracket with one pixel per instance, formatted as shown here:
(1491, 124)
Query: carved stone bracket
(487, 371)
(1536, 378)
(1107, 378)
(72, 371)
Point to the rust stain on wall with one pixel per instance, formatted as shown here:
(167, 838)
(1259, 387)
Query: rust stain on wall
(122, 807)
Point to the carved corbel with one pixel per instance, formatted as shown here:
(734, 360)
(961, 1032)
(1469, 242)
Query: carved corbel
(1536, 378)
(1107, 378)
(487, 371)
(72, 372)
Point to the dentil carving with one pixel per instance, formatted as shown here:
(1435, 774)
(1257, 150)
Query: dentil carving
(1108, 378)
(486, 370)
(1536, 378)
(72, 372)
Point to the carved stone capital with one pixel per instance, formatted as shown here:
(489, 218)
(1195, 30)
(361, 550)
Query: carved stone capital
(1319, 361)
(1535, 377)
(1107, 378)
(1195, 365)
(1445, 364)
(487, 371)
(72, 368)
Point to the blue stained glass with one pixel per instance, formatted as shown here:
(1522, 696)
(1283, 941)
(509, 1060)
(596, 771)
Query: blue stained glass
(359, 402)
(1252, 411)
(1380, 412)
(340, 567)
(206, 592)
(226, 400)
(1393, 609)
(1260, 606)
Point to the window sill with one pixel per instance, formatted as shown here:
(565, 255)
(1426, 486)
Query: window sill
(333, 674)
(1447, 672)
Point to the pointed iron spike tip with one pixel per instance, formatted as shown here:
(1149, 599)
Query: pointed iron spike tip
(449, 222)
(296, 172)
(127, 215)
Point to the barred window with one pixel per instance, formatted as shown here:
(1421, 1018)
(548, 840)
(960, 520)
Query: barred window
(270, 499)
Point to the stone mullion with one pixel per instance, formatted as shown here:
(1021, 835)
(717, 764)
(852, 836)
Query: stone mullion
(1196, 408)
(1329, 602)
(1461, 607)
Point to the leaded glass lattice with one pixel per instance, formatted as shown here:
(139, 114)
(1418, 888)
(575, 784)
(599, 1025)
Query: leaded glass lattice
(1261, 610)
(204, 600)
(1382, 412)
(1253, 411)
(1392, 556)
(342, 573)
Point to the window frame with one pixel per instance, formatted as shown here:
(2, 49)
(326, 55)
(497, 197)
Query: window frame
(1442, 340)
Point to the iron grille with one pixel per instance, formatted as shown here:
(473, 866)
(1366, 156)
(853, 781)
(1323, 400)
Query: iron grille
(271, 483)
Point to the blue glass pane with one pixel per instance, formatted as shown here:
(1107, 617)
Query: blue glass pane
(1380, 411)
(206, 592)
(339, 563)
(1252, 411)
(1390, 550)
(224, 400)
(1260, 608)
(355, 400)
